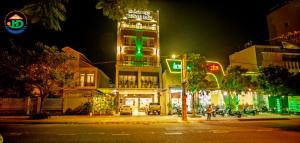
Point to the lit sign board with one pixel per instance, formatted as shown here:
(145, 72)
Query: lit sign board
(137, 14)
(213, 67)
(174, 65)
(294, 103)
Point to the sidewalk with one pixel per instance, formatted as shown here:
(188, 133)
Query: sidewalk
(117, 119)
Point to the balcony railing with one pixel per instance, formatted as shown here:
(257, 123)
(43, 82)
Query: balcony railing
(139, 63)
(144, 84)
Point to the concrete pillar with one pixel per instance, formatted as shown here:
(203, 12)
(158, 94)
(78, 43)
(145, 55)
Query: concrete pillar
(27, 105)
(117, 77)
(38, 104)
(139, 79)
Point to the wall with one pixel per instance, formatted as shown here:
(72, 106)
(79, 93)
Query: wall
(246, 58)
(284, 19)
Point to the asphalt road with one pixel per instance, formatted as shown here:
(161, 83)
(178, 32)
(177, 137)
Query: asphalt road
(281, 131)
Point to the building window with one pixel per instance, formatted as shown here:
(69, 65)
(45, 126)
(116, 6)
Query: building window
(82, 80)
(90, 79)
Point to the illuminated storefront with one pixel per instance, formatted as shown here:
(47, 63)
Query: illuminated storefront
(172, 84)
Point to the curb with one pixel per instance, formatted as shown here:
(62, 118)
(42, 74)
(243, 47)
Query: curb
(263, 119)
(109, 122)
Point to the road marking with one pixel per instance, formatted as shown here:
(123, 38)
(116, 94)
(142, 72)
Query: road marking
(96, 133)
(219, 131)
(264, 130)
(15, 134)
(66, 134)
(174, 133)
(120, 134)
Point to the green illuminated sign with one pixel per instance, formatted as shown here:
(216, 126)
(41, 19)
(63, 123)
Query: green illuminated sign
(174, 65)
(294, 103)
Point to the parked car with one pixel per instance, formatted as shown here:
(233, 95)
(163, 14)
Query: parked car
(154, 108)
(125, 110)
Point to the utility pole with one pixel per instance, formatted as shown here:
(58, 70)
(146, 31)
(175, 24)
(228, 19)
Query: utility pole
(183, 82)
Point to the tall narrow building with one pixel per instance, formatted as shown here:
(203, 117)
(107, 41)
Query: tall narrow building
(138, 69)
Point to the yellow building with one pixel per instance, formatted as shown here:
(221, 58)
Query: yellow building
(138, 69)
(264, 55)
(87, 79)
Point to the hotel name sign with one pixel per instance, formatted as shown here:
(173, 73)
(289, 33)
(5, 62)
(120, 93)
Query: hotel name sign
(137, 14)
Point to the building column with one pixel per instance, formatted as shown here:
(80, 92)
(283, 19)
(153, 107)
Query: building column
(117, 77)
(139, 79)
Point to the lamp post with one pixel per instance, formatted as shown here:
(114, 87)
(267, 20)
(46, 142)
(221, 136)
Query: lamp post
(183, 84)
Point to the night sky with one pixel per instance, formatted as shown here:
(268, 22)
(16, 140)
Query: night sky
(213, 28)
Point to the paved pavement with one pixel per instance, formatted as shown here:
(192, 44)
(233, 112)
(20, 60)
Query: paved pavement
(227, 131)
(134, 119)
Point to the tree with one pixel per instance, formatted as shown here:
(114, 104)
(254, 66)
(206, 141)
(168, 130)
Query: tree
(49, 72)
(50, 13)
(196, 76)
(273, 80)
(234, 83)
(13, 63)
(117, 9)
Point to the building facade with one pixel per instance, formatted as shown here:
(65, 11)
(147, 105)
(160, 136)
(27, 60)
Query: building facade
(253, 57)
(138, 69)
(172, 89)
(284, 23)
(86, 81)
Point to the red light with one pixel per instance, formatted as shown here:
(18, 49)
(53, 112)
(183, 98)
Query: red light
(214, 67)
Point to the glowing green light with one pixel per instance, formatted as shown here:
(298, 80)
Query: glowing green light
(139, 45)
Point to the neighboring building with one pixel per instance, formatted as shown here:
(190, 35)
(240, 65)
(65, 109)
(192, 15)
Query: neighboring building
(253, 57)
(172, 91)
(138, 69)
(284, 23)
(87, 79)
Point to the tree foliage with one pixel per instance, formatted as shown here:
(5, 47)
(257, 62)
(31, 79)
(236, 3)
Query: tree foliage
(197, 73)
(116, 9)
(50, 13)
(196, 76)
(278, 81)
(40, 67)
(234, 82)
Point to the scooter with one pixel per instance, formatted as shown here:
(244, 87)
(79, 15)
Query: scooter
(234, 113)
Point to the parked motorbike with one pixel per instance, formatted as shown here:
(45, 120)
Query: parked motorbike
(234, 113)
(220, 112)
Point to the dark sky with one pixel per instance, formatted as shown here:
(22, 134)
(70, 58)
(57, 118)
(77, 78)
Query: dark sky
(213, 28)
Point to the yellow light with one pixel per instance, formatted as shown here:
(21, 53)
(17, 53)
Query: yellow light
(122, 50)
(214, 78)
(154, 51)
(173, 56)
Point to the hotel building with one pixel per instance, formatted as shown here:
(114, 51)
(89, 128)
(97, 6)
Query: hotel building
(138, 69)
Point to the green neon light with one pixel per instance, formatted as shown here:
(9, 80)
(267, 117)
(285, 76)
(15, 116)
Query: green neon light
(174, 65)
(294, 103)
(278, 105)
(139, 45)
